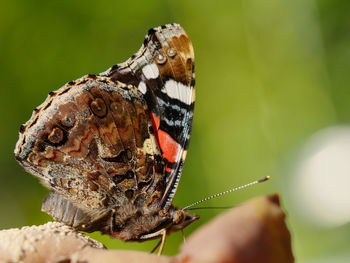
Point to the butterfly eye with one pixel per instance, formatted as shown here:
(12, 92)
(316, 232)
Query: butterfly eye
(171, 52)
(99, 107)
(56, 136)
(160, 58)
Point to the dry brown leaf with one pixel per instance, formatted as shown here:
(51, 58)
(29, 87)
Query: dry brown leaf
(252, 232)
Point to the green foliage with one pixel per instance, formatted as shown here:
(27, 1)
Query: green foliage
(269, 74)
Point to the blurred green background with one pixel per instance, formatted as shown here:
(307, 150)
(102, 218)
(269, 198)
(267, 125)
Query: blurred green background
(269, 75)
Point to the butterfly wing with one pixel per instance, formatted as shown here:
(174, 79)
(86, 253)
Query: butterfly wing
(163, 71)
(90, 143)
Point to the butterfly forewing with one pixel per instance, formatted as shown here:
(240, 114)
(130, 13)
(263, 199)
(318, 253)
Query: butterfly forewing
(163, 70)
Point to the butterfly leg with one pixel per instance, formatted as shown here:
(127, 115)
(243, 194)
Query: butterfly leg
(111, 221)
(156, 246)
(162, 241)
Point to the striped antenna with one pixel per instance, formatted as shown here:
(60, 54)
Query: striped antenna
(228, 191)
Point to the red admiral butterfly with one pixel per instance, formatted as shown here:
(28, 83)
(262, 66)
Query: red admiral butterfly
(112, 146)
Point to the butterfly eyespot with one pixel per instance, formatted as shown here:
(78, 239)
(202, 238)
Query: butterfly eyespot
(68, 121)
(160, 58)
(56, 136)
(114, 106)
(99, 107)
(171, 52)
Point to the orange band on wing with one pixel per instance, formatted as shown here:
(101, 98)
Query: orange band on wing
(167, 144)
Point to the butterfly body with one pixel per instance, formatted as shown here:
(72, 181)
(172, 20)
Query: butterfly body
(111, 146)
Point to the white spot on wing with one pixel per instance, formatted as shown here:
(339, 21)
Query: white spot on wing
(149, 146)
(150, 71)
(172, 123)
(177, 90)
(142, 87)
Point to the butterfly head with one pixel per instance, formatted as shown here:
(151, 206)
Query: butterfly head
(181, 219)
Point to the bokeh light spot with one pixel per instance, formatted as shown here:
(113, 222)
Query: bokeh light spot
(321, 185)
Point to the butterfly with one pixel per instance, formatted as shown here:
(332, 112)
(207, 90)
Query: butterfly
(111, 147)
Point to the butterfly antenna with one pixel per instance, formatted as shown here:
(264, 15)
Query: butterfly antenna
(228, 191)
(210, 207)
